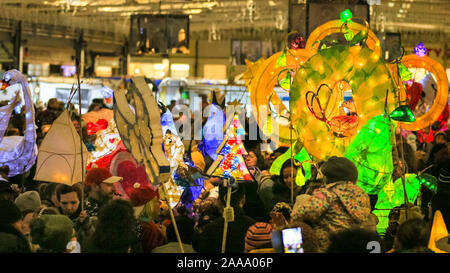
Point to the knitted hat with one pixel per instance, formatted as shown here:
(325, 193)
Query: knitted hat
(258, 235)
(28, 201)
(9, 213)
(339, 169)
(141, 195)
(52, 232)
(283, 208)
(100, 175)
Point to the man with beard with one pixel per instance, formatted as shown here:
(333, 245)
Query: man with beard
(69, 198)
(99, 184)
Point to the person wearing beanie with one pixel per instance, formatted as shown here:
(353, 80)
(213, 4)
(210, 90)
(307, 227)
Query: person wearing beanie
(210, 239)
(99, 183)
(28, 202)
(52, 233)
(145, 202)
(258, 236)
(338, 205)
(11, 238)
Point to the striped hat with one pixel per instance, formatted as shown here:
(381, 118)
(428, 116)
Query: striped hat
(258, 235)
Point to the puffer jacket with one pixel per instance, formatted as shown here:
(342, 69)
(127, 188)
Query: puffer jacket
(332, 208)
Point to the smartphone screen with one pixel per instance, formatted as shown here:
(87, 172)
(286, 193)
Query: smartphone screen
(292, 240)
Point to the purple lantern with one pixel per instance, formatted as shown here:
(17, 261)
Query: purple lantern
(420, 50)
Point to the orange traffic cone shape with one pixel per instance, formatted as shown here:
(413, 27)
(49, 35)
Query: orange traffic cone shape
(438, 231)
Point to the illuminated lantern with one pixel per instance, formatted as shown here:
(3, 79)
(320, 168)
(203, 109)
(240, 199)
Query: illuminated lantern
(59, 158)
(403, 113)
(212, 131)
(405, 74)
(107, 94)
(19, 152)
(106, 142)
(420, 50)
(371, 152)
(346, 15)
(440, 101)
(5, 113)
(222, 165)
(317, 97)
(438, 234)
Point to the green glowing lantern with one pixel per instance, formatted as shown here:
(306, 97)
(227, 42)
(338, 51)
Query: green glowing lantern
(281, 61)
(371, 152)
(403, 113)
(286, 82)
(392, 195)
(345, 15)
(428, 181)
(348, 34)
(404, 72)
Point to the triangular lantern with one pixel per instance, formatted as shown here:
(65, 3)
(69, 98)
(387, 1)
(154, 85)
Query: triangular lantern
(59, 157)
(230, 163)
(438, 231)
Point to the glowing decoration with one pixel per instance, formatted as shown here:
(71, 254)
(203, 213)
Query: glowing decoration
(348, 34)
(106, 142)
(346, 15)
(317, 97)
(440, 99)
(212, 131)
(167, 123)
(403, 113)
(124, 165)
(6, 111)
(18, 152)
(286, 82)
(371, 152)
(59, 158)
(428, 181)
(140, 130)
(420, 50)
(174, 150)
(261, 93)
(438, 233)
(335, 26)
(107, 94)
(231, 154)
(405, 74)
(392, 195)
(298, 42)
(281, 61)
(93, 128)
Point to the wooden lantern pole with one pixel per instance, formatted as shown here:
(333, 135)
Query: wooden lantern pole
(81, 134)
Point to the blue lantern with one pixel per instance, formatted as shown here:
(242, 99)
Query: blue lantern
(420, 50)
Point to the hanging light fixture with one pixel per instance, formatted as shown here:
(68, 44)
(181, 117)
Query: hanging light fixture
(345, 15)
(420, 50)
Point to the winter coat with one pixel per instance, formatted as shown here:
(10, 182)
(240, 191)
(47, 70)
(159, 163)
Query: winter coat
(210, 240)
(12, 241)
(334, 207)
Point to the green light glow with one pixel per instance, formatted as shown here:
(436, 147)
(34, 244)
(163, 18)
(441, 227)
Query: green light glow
(286, 82)
(403, 113)
(428, 181)
(281, 61)
(371, 152)
(404, 72)
(345, 15)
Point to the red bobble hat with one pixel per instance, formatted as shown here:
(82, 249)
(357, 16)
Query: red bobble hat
(141, 195)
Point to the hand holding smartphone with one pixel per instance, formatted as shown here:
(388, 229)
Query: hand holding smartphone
(289, 240)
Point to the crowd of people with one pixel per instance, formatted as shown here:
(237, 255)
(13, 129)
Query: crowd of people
(335, 215)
